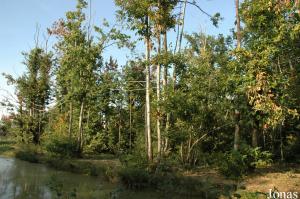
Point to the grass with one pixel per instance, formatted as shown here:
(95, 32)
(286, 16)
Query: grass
(7, 147)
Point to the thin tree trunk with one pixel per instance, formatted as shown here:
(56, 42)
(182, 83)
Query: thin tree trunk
(181, 152)
(238, 24)
(237, 113)
(180, 41)
(21, 116)
(70, 120)
(237, 131)
(254, 133)
(281, 144)
(158, 95)
(165, 82)
(130, 122)
(88, 119)
(148, 111)
(165, 75)
(182, 26)
(146, 130)
(254, 137)
(80, 135)
(119, 128)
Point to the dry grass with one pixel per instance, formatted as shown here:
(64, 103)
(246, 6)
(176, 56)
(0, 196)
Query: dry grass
(285, 178)
(284, 181)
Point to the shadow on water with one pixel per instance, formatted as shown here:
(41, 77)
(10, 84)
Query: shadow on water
(22, 180)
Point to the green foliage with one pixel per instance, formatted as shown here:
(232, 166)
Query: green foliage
(260, 158)
(292, 149)
(252, 195)
(6, 145)
(98, 143)
(134, 159)
(61, 146)
(102, 104)
(28, 153)
(234, 165)
(134, 178)
(238, 163)
(33, 93)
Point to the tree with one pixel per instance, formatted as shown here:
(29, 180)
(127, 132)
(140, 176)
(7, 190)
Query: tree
(138, 14)
(33, 91)
(237, 112)
(79, 60)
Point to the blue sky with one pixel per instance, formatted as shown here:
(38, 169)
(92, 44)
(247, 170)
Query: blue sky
(19, 19)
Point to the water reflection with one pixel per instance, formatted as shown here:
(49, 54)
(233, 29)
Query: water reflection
(22, 180)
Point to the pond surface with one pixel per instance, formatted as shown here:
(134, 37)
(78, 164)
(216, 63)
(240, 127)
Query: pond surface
(23, 180)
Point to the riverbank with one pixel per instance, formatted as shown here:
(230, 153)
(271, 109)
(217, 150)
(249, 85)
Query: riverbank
(104, 166)
(203, 182)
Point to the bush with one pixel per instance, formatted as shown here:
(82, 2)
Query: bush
(260, 158)
(29, 154)
(134, 178)
(63, 147)
(98, 143)
(292, 150)
(134, 160)
(233, 165)
(237, 163)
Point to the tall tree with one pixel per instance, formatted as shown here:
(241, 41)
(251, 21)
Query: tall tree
(237, 112)
(79, 61)
(138, 13)
(33, 91)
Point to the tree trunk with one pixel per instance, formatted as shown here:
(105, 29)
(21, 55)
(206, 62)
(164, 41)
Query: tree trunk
(148, 111)
(254, 138)
(238, 24)
(146, 130)
(70, 120)
(182, 26)
(119, 128)
(80, 134)
(165, 82)
(255, 134)
(237, 113)
(130, 121)
(165, 74)
(180, 41)
(237, 131)
(281, 144)
(158, 95)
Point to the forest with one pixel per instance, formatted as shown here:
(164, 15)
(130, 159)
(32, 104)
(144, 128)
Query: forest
(169, 117)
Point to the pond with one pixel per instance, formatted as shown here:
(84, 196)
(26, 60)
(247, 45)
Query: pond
(23, 180)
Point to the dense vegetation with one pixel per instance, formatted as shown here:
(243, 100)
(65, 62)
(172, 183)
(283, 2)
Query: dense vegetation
(231, 102)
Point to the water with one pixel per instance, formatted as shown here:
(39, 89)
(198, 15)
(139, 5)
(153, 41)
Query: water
(23, 180)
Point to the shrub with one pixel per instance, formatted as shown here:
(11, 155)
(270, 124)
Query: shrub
(292, 150)
(98, 143)
(135, 159)
(233, 165)
(237, 163)
(28, 154)
(134, 178)
(63, 147)
(260, 158)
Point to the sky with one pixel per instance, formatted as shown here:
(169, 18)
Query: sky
(19, 20)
